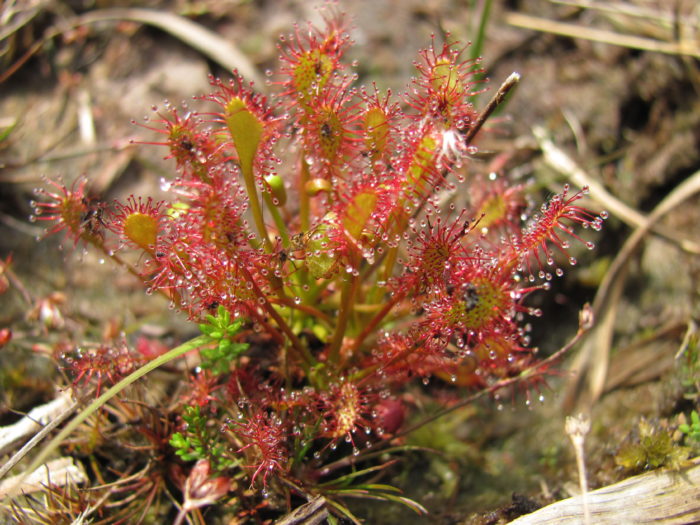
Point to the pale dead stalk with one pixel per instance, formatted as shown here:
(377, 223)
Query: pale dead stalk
(577, 428)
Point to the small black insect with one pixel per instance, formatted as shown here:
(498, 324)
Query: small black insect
(470, 295)
(186, 144)
(92, 218)
(212, 306)
(296, 250)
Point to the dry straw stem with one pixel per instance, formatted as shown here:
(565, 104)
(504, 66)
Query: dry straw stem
(618, 8)
(33, 421)
(577, 427)
(685, 47)
(210, 44)
(666, 497)
(95, 405)
(591, 364)
(661, 22)
(57, 472)
(16, 15)
(312, 513)
(40, 421)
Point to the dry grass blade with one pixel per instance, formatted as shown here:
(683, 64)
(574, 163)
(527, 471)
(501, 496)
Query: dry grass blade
(50, 415)
(32, 422)
(666, 19)
(686, 47)
(57, 472)
(646, 359)
(196, 36)
(207, 42)
(16, 15)
(312, 513)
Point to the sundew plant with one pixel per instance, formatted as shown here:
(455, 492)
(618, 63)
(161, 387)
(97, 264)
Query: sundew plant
(315, 237)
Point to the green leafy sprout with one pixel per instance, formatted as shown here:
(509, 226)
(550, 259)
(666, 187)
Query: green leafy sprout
(692, 430)
(200, 441)
(222, 330)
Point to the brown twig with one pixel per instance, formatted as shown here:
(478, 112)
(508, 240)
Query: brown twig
(495, 101)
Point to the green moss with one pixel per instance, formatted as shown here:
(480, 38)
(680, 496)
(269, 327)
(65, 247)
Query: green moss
(654, 448)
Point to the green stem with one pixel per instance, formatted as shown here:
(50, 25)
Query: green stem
(400, 227)
(374, 322)
(304, 308)
(304, 201)
(279, 221)
(344, 313)
(298, 277)
(109, 394)
(298, 346)
(255, 208)
(284, 235)
(387, 270)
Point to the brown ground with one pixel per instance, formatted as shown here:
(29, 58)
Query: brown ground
(629, 118)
